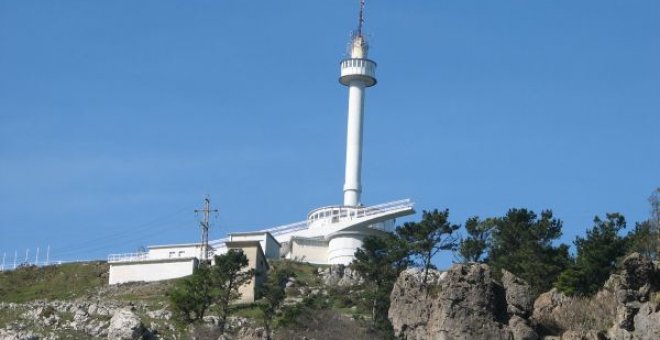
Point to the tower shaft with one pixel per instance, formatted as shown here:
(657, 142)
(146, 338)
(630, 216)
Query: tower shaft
(353, 171)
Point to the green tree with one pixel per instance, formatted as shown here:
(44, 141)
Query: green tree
(522, 244)
(191, 297)
(229, 274)
(476, 245)
(431, 235)
(596, 257)
(273, 294)
(645, 238)
(379, 261)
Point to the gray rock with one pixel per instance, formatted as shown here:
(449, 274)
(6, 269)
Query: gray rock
(340, 275)
(252, 334)
(17, 335)
(519, 298)
(162, 314)
(125, 325)
(464, 303)
(647, 323)
(583, 335)
(92, 309)
(521, 329)
(547, 310)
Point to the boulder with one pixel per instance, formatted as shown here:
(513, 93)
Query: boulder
(409, 308)
(583, 335)
(252, 334)
(521, 329)
(125, 325)
(519, 298)
(340, 275)
(547, 310)
(463, 303)
(647, 322)
(17, 335)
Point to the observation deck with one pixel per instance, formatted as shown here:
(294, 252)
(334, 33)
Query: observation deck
(324, 216)
(361, 69)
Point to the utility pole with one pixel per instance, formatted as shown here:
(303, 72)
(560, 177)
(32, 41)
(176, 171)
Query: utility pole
(4, 255)
(36, 258)
(204, 256)
(15, 256)
(47, 255)
(27, 256)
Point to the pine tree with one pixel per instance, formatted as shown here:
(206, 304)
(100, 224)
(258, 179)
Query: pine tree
(522, 244)
(191, 297)
(379, 261)
(229, 274)
(477, 243)
(596, 257)
(428, 237)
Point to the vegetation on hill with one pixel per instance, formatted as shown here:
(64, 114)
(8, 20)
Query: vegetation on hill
(520, 242)
(525, 245)
(60, 282)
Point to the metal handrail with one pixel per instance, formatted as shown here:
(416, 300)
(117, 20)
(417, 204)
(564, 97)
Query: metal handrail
(128, 257)
(337, 210)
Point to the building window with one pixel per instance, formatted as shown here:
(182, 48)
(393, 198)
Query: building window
(172, 254)
(181, 253)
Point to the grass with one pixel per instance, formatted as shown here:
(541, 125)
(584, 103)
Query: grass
(305, 273)
(66, 281)
(250, 311)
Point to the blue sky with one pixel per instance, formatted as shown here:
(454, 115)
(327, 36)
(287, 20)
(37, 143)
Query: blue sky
(118, 117)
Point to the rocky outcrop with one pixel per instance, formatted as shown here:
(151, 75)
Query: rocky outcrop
(462, 303)
(635, 289)
(125, 325)
(339, 275)
(627, 308)
(518, 294)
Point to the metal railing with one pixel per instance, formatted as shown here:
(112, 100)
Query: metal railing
(128, 257)
(344, 212)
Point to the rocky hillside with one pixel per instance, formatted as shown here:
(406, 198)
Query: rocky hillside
(466, 302)
(75, 302)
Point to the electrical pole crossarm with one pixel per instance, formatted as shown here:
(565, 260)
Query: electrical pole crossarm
(204, 252)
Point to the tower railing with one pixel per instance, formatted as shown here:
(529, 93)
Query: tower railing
(338, 212)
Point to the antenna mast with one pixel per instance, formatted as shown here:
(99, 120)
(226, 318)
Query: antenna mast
(361, 18)
(204, 256)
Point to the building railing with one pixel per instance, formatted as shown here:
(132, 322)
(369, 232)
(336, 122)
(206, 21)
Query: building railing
(128, 257)
(338, 213)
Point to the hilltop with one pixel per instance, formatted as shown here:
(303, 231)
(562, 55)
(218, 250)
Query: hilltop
(74, 301)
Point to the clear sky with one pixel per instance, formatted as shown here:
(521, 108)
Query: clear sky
(118, 117)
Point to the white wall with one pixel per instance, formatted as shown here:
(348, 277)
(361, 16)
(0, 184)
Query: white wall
(270, 247)
(174, 252)
(150, 271)
(311, 251)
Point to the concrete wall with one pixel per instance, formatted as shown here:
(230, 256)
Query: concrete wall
(174, 252)
(256, 261)
(151, 270)
(269, 245)
(312, 251)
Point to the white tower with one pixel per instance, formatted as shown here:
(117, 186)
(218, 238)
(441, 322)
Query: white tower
(358, 73)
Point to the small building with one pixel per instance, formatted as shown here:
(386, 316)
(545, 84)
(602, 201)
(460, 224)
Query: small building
(166, 262)
(162, 262)
(257, 261)
(269, 245)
